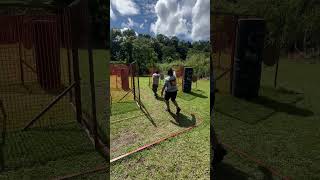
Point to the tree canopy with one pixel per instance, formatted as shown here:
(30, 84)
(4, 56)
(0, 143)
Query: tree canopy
(149, 51)
(294, 24)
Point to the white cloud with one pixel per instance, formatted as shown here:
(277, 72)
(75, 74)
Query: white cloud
(112, 15)
(148, 8)
(187, 7)
(124, 8)
(189, 19)
(130, 24)
(201, 20)
(125, 28)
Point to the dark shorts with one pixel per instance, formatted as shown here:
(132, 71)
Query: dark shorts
(170, 95)
(155, 86)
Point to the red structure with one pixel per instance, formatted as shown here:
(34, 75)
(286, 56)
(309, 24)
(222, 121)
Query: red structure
(125, 79)
(8, 25)
(41, 35)
(115, 68)
(47, 52)
(121, 73)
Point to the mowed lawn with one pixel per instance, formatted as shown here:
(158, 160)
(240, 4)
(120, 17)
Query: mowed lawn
(281, 128)
(186, 156)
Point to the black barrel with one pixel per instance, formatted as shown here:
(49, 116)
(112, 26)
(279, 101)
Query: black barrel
(187, 79)
(248, 58)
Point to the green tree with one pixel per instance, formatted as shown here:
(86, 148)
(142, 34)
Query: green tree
(143, 54)
(291, 23)
(129, 33)
(157, 47)
(149, 51)
(169, 54)
(163, 39)
(182, 49)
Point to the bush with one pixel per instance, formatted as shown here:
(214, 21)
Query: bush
(199, 62)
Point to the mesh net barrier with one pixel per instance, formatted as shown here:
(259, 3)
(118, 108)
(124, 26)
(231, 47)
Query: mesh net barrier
(124, 88)
(122, 82)
(223, 38)
(37, 88)
(35, 69)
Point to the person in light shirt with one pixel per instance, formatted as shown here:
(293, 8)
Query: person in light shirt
(171, 90)
(155, 83)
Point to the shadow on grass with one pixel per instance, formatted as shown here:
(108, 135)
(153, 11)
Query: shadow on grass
(252, 117)
(160, 98)
(226, 171)
(147, 114)
(191, 95)
(183, 120)
(197, 93)
(271, 101)
(288, 108)
(284, 91)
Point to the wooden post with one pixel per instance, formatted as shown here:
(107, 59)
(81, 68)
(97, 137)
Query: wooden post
(234, 37)
(93, 98)
(276, 74)
(278, 50)
(67, 36)
(133, 85)
(139, 93)
(19, 31)
(77, 88)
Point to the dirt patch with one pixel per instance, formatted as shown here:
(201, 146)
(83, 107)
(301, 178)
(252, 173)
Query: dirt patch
(125, 139)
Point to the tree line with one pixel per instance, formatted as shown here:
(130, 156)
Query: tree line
(293, 25)
(158, 51)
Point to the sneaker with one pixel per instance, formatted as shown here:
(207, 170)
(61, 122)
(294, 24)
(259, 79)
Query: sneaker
(178, 110)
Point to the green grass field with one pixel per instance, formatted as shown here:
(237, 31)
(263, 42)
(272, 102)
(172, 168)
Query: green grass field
(185, 156)
(49, 153)
(281, 128)
(131, 128)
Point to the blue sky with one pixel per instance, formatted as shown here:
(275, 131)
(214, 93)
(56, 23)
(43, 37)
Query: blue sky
(186, 19)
